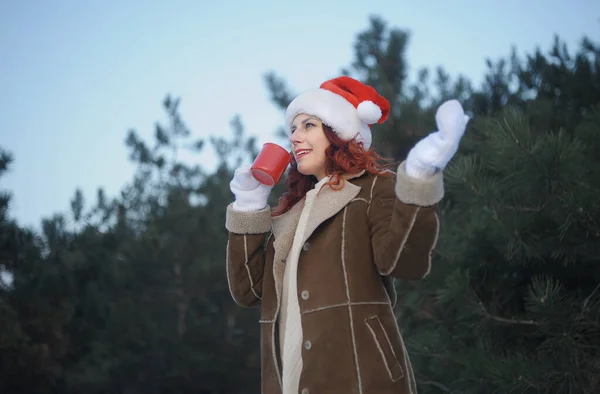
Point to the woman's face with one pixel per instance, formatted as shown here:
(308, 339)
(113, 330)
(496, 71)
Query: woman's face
(309, 144)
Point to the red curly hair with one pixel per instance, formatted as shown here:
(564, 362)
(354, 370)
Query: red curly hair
(342, 157)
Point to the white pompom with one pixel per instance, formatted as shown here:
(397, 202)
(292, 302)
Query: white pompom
(369, 112)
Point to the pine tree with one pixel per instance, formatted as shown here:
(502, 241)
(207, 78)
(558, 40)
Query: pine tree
(513, 301)
(129, 294)
(167, 321)
(32, 311)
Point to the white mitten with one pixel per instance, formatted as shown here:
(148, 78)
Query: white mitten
(437, 149)
(250, 194)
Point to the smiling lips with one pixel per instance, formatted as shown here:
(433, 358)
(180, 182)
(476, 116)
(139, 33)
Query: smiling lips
(302, 152)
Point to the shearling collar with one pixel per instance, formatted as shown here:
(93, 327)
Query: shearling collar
(322, 207)
(327, 203)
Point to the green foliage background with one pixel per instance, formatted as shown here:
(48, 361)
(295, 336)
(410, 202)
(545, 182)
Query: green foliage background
(129, 294)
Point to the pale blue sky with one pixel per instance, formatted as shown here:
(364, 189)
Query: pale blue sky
(76, 75)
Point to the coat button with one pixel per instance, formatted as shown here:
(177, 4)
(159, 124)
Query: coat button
(304, 391)
(307, 345)
(305, 295)
(306, 247)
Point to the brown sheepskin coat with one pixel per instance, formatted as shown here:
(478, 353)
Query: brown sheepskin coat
(356, 241)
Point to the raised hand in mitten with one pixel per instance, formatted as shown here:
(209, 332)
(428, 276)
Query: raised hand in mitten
(437, 149)
(250, 194)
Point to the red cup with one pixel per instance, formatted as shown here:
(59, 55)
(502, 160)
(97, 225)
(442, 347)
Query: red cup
(270, 164)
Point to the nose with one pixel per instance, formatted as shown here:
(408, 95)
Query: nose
(295, 138)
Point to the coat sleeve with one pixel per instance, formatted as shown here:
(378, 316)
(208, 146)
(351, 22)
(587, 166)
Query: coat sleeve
(246, 254)
(404, 224)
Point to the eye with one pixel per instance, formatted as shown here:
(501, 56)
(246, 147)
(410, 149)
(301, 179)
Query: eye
(309, 124)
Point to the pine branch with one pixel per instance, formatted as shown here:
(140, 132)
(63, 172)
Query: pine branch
(518, 143)
(588, 298)
(429, 354)
(585, 185)
(506, 320)
(436, 384)
(585, 307)
(526, 209)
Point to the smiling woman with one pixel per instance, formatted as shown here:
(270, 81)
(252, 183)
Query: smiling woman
(309, 145)
(321, 265)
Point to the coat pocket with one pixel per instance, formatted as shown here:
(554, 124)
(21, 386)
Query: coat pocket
(384, 345)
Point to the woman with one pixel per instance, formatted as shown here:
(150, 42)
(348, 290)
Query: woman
(321, 265)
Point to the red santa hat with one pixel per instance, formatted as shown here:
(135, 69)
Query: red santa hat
(346, 105)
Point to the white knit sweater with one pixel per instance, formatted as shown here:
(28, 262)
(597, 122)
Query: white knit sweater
(290, 327)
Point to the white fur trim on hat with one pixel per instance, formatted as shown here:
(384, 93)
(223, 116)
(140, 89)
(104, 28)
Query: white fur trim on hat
(365, 135)
(334, 111)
